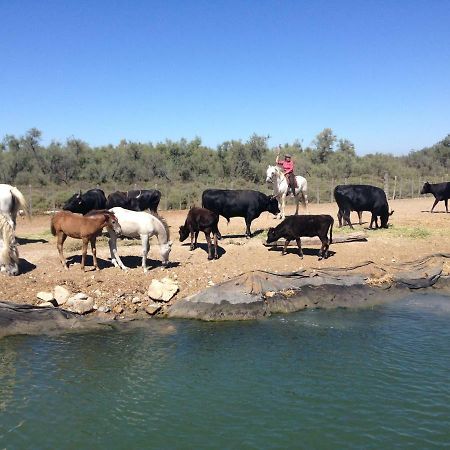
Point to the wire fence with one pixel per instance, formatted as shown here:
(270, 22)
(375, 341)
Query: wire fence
(44, 199)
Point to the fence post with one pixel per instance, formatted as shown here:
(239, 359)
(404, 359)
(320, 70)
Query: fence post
(412, 188)
(400, 188)
(331, 190)
(386, 184)
(395, 187)
(318, 194)
(30, 200)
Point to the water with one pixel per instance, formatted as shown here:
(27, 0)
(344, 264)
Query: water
(376, 378)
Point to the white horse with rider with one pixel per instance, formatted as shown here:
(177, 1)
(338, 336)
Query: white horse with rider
(276, 176)
(141, 224)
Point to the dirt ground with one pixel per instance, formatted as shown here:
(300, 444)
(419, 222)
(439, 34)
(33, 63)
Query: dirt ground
(414, 232)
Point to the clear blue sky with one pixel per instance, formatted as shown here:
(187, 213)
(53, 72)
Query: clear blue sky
(376, 72)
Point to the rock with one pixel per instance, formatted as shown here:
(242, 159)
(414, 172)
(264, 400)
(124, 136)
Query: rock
(61, 294)
(80, 306)
(118, 309)
(163, 290)
(152, 308)
(45, 296)
(46, 304)
(81, 296)
(104, 309)
(136, 300)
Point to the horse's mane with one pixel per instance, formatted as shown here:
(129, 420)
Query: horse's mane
(163, 221)
(98, 211)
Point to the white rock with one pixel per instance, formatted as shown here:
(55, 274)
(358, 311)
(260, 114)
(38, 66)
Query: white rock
(45, 296)
(152, 308)
(80, 306)
(104, 309)
(81, 296)
(61, 294)
(136, 300)
(46, 304)
(163, 290)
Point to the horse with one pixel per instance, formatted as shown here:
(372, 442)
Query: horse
(144, 225)
(11, 202)
(86, 228)
(9, 255)
(275, 176)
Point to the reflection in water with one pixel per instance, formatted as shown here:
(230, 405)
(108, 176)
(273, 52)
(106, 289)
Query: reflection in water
(350, 379)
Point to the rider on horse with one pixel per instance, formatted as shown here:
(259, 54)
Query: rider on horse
(288, 166)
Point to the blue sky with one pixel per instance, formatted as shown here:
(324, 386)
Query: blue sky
(376, 72)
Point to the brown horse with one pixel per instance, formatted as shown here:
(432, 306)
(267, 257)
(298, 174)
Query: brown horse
(86, 228)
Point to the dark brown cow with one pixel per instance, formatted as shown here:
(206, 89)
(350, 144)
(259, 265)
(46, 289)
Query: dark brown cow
(294, 227)
(201, 219)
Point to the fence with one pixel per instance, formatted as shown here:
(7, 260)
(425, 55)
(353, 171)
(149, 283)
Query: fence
(184, 195)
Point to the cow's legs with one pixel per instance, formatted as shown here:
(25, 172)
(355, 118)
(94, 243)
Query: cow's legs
(192, 241)
(360, 217)
(446, 205)
(339, 216)
(84, 252)
(299, 245)
(436, 201)
(248, 222)
(323, 252)
(208, 240)
(93, 240)
(145, 250)
(286, 243)
(216, 255)
(195, 242)
(346, 215)
(60, 242)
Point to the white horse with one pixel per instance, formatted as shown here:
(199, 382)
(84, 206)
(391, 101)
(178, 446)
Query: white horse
(11, 202)
(276, 177)
(9, 256)
(144, 225)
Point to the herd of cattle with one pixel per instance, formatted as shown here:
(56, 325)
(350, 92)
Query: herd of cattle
(248, 204)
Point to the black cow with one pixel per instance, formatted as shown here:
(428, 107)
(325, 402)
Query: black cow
(294, 227)
(239, 203)
(201, 219)
(362, 197)
(83, 203)
(138, 200)
(441, 192)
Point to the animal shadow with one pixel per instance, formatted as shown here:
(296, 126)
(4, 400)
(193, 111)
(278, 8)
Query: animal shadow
(24, 241)
(25, 266)
(89, 263)
(204, 246)
(434, 212)
(135, 262)
(306, 251)
(235, 236)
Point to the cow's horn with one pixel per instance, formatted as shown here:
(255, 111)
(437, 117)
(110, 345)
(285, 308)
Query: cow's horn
(392, 212)
(140, 192)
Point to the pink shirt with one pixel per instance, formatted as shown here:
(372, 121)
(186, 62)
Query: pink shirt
(288, 166)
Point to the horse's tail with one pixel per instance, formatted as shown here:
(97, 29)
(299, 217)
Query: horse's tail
(7, 233)
(52, 227)
(20, 199)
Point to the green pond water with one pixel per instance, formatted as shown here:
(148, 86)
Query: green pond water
(376, 378)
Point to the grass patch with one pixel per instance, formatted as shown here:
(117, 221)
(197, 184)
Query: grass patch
(408, 232)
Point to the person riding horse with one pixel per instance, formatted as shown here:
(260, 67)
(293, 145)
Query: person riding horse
(288, 166)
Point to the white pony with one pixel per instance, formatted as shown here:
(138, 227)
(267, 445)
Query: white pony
(144, 225)
(9, 256)
(276, 177)
(11, 201)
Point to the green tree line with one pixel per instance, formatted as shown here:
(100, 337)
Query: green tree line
(182, 169)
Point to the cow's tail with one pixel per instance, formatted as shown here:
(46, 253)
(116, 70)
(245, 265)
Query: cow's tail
(20, 200)
(331, 231)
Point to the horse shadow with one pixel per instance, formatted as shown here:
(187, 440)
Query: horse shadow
(204, 246)
(25, 266)
(306, 251)
(135, 262)
(434, 212)
(89, 263)
(24, 241)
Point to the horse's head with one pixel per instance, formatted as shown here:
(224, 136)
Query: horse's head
(165, 251)
(112, 222)
(270, 174)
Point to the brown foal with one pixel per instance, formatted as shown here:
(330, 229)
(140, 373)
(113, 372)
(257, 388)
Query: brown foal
(86, 228)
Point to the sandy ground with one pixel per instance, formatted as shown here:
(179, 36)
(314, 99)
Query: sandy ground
(414, 233)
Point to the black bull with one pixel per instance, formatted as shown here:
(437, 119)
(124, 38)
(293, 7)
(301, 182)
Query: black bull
(239, 203)
(362, 197)
(441, 192)
(83, 203)
(136, 200)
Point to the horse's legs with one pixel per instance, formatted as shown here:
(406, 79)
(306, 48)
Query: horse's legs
(115, 258)
(305, 200)
(84, 252)
(60, 242)
(145, 249)
(208, 240)
(94, 251)
(299, 245)
(283, 206)
(297, 202)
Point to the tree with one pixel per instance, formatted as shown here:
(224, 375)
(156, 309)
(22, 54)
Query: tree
(324, 144)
